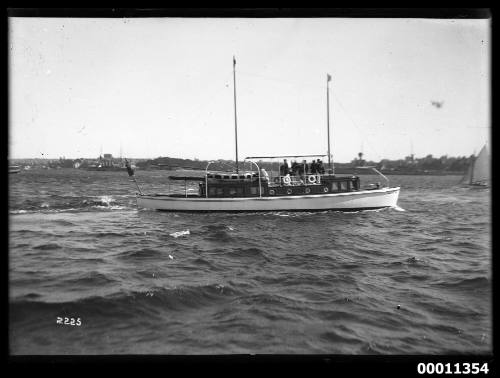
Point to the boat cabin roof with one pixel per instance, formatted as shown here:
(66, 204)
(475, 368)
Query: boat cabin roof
(187, 178)
(217, 176)
(282, 156)
(232, 176)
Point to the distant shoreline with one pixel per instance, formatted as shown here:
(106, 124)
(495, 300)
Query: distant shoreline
(340, 171)
(428, 166)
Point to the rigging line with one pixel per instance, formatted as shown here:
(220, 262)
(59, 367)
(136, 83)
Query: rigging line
(361, 133)
(316, 86)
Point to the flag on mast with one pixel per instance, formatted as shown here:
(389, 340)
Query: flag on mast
(328, 77)
(234, 61)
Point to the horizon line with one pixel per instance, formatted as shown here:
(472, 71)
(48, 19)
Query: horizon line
(197, 159)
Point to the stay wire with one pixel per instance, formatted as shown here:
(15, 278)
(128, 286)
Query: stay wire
(316, 86)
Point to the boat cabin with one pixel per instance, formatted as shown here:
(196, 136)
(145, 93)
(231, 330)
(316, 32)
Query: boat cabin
(251, 184)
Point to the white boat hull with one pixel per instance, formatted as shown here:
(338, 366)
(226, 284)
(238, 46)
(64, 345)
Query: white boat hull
(358, 200)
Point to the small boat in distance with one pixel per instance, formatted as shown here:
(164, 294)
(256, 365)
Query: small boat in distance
(301, 189)
(478, 173)
(14, 169)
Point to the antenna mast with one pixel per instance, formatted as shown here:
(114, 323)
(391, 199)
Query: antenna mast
(235, 118)
(328, 78)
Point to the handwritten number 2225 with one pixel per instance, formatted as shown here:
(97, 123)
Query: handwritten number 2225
(69, 321)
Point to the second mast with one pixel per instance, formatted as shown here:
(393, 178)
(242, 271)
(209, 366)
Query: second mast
(235, 117)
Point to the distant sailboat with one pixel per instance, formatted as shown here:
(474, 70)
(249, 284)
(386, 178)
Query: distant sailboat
(478, 173)
(14, 169)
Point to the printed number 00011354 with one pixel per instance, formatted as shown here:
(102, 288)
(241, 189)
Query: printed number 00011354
(458, 368)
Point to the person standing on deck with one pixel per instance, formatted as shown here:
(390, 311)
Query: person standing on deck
(313, 167)
(321, 169)
(284, 170)
(294, 168)
(305, 167)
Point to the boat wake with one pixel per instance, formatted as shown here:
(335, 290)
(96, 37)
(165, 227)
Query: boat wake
(58, 204)
(397, 208)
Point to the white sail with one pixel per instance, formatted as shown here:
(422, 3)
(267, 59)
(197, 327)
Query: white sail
(481, 167)
(467, 179)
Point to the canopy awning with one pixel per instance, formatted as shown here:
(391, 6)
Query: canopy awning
(187, 178)
(283, 156)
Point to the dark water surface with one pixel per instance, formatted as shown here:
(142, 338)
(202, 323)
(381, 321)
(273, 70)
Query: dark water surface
(151, 282)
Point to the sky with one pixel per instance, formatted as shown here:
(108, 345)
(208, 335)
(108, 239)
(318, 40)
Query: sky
(150, 87)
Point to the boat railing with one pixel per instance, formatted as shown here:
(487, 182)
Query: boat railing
(260, 180)
(377, 172)
(293, 180)
(229, 175)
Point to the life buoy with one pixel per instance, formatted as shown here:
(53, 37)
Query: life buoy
(325, 189)
(311, 179)
(289, 191)
(271, 192)
(308, 190)
(287, 180)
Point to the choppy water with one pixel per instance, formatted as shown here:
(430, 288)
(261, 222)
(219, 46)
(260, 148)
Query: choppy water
(328, 282)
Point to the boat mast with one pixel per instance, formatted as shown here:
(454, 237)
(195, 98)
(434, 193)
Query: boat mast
(235, 119)
(328, 78)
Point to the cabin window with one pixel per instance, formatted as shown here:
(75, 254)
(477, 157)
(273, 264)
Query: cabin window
(226, 177)
(341, 186)
(242, 177)
(355, 184)
(218, 176)
(234, 177)
(211, 191)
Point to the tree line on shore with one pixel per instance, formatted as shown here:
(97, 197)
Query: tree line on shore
(410, 164)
